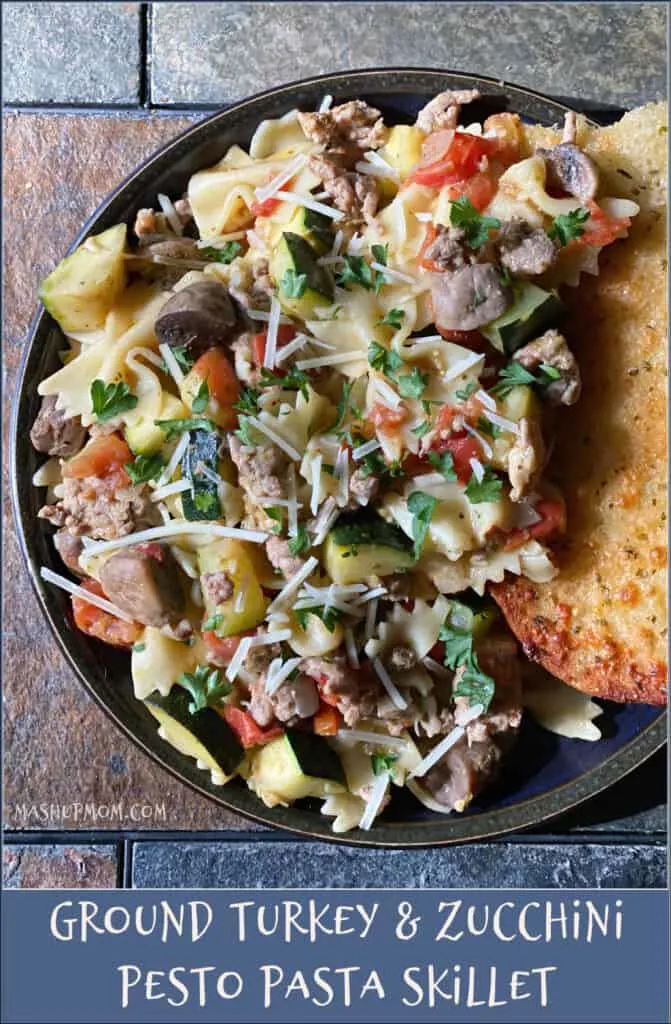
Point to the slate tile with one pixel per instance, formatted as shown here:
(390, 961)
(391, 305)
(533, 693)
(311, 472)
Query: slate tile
(71, 53)
(60, 750)
(59, 867)
(610, 53)
(268, 864)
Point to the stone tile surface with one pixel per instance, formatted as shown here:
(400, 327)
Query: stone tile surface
(60, 749)
(610, 53)
(59, 867)
(71, 53)
(267, 864)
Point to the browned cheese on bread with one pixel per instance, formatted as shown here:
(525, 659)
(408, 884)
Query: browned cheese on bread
(601, 625)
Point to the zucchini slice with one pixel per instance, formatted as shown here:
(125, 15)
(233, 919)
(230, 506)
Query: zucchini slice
(295, 253)
(202, 501)
(533, 310)
(363, 544)
(296, 765)
(204, 735)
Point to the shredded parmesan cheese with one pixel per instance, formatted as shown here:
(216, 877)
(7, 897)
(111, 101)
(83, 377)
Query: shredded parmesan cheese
(485, 399)
(484, 444)
(176, 488)
(375, 800)
(438, 751)
(172, 364)
(271, 189)
(365, 449)
(478, 469)
(170, 212)
(175, 528)
(350, 647)
(294, 583)
(174, 460)
(424, 217)
(330, 512)
(280, 674)
(333, 360)
(293, 503)
(503, 422)
(325, 104)
(371, 617)
(389, 685)
(469, 715)
(271, 336)
(86, 595)
(458, 369)
(275, 438)
(394, 275)
(386, 393)
(300, 199)
(376, 739)
(264, 316)
(186, 560)
(316, 483)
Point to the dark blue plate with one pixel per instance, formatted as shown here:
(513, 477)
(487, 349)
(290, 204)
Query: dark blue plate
(545, 775)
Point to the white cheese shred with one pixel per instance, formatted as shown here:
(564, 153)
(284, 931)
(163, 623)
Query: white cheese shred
(389, 685)
(461, 367)
(438, 751)
(175, 488)
(170, 212)
(175, 528)
(294, 583)
(86, 595)
(172, 364)
(485, 399)
(271, 335)
(280, 674)
(174, 460)
(484, 444)
(376, 739)
(393, 275)
(333, 360)
(292, 503)
(275, 438)
(270, 190)
(328, 514)
(375, 801)
(326, 104)
(478, 469)
(386, 394)
(371, 617)
(464, 717)
(503, 422)
(186, 561)
(301, 199)
(316, 483)
(365, 449)
(350, 647)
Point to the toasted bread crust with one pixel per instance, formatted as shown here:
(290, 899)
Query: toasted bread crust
(601, 625)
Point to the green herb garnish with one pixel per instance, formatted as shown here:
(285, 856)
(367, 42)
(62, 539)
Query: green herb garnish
(301, 543)
(201, 399)
(145, 467)
(294, 380)
(463, 394)
(422, 507)
(487, 489)
(380, 253)
(413, 384)
(393, 319)
(464, 215)
(213, 622)
(355, 271)
(274, 512)
(329, 616)
(443, 463)
(173, 428)
(248, 401)
(206, 687)
(380, 358)
(182, 358)
(421, 429)
(383, 763)
(138, 648)
(109, 400)
(474, 684)
(485, 426)
(221, 254)
(293, 285)
(568, 226)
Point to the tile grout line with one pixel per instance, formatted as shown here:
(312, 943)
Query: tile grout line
(144, 30)
(128, 855)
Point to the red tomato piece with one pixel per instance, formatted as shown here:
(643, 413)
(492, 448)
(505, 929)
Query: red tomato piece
(462, 160)
(215, 368)
(600, 229)
(100, 624)
(463, 448)
(384, 418)
(327, 721)
(553, 520)
(479, 190)
(100, 457)
(264, 209)
(246, 729)
(285, 333)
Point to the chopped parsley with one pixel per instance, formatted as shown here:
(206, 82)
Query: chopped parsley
(380, 253)
(393, 318)
(355, 271)
(443, 463)
(422, 507)
(413, 384)
(487, 489)
(182, 358)
(244, 431)
(138, 648)
(551, 372)
(110, 400)
(293, 285)
(222, 254)
(274, 512)
(145, 467)
(343, 407)
(568, 226)
(214, 622)
(248, 401)
(380, 358)
(463, 394)
(329, 616)
(201, 399)
(206, 687)
(421, 429)
(383, 763)
(464, 215)
(173, 428)
(374, 463)
(457, 636)
(301, 543)
(515, 375)
(295, 380)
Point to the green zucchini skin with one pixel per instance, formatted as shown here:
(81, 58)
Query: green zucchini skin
(362, 527)
(533, 311)
(318, 228)
(302, 258)
(314, 756)
(210, 730)
(203, 501)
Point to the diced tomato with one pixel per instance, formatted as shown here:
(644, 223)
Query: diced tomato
(100, 457)
(600, 229)
(463, 448)
(461, 160)
(95, 622)
(479, 190)
(327, 721)
(553, 520)
(384, 418)
(285, 333)
(444, 417)
(220, 649)
(223, 386)
(415, 465)
(246, 729)
(264, 209)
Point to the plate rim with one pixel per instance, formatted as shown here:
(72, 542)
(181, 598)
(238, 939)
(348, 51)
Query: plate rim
(522, 815)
